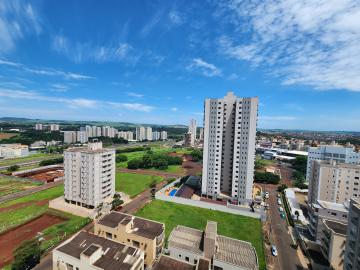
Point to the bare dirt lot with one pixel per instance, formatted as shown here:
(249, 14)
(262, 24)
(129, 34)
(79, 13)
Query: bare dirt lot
(11, 239)
(4, 135)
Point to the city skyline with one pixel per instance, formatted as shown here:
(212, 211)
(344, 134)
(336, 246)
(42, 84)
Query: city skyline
(156, 62)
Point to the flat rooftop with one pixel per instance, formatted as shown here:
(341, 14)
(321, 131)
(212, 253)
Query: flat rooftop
(115, 255)
(142, 227)
(166, 263)
(187, 239)
(336, 227)
(236, 252)
(86, 150)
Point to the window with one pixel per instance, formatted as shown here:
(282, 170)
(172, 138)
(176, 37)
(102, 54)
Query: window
(187, 259)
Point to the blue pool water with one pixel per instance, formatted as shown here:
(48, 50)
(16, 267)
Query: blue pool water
(172, 193)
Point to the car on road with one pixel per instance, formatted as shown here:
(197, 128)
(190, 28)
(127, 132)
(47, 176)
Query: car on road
(281, 209)
(279, 202)
(282, 215)
(267, 195)
(279, 195)
(274, 251)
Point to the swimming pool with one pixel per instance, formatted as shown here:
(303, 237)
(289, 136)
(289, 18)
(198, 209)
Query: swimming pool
(172, 192)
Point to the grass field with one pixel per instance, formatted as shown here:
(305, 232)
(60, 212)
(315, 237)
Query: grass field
(235, 226)
(40, 156)
(10, 185)
(26, 208)
(133, 184)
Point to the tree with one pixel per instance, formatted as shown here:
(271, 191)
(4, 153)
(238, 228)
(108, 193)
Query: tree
(13, 168)
(266, 177)
(134, 164)
(51, 161)
(121, 158)
(27, 255)
(196, 155)
(282, 187)
(300, 164)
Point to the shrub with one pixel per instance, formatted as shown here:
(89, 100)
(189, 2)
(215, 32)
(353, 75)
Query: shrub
(121, 158)
(134, 164)
(27, 255)
(266, 177)
(196, 155)
(51, 161)
(13, 168)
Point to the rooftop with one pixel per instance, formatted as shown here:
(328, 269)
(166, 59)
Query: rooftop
(336, 227)
(203, 264)
(114, 256)
(142, 227)
(236, 252)
(166, 263)
(187, 239)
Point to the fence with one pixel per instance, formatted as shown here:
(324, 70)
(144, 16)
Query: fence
(229, 208)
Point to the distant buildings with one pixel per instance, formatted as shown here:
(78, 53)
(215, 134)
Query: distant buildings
(229, 147)
(201, 134)
(192, 132)
(89, 175)
(163, 135)
(54, 127)
(156, 135)
(209, 248)
(352, 250)
(70, 137)
(187, 140)
(140, 134)
(81, 136)
(127, 135)
(137, 232)
(87, 251)
(38, 127)
(146, 133)
(13, 150)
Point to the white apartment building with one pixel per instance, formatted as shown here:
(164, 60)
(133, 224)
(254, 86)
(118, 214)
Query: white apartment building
(81, 136)
(70, 137)
(88, 130)
(333, 182)
(229, 147)
(89, 175)
(156, 135)
(201, 134)
(163, 135)
(13, 150)
(192, 131)
(331, 152)
(352, 249)
(54, 127)
(140, 133)
(127, 135)
(38, 127)
(148, 133)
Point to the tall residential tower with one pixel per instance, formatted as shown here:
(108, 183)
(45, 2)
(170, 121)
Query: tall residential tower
(229, 147)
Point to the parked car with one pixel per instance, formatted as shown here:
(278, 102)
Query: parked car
(267, 195)
(281, 209)
(279, 195)
(279, 201)
(274, 250)
(282, 215)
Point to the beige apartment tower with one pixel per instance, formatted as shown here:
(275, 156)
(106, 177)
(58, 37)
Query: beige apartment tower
(229, 147)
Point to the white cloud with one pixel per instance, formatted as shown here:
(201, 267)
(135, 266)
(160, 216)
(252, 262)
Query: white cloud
(17, 19)
(175, 18)
(233, 76)
(133, 94)
(132, 106)
(174, 109)
(207, 69)
(47, 71)
(58, 87)
(151, 24)
(306, 42)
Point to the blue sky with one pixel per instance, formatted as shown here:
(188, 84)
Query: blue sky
(156, 61)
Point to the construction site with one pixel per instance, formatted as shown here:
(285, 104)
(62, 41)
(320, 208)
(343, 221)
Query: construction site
(47, 174)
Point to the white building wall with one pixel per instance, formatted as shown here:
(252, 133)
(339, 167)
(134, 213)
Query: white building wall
(163, 135)
(181, 254)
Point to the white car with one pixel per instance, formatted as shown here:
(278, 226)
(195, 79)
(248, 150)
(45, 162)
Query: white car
(274, 251)
(267, 195)
(279, 201)
(281, 209)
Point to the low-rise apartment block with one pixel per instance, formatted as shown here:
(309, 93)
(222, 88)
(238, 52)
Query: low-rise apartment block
(141, 233)
(191, 245)
(86, 251)
(13, 150)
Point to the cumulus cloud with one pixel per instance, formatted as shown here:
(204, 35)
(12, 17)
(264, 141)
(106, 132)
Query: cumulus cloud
(205, 68)
(305, 42)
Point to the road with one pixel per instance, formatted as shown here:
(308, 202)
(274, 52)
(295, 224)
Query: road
(287, 258)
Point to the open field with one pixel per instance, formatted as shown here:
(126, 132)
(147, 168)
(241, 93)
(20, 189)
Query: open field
(34, 157)
(133, 184)
(19, 211)
(10, 185)
(4, 135)
(235, 226)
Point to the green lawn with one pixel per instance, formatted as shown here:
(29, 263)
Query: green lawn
(10, 185)
(14, 217)
(40, 156)
(235, 226)
(133, 184)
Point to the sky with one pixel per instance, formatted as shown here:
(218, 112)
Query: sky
(156, 61)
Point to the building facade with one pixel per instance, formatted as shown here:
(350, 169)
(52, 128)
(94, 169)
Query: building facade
(229, 147)
(70, 137)
(148, 133)
(137, 232)
(156, 135)
(192, 131)
(13, 150)
(81, 136)
(54, 127)
(89, 175)
(38, 127)
(352, 249)
(86, 251)
(140, 134)
(163, 135)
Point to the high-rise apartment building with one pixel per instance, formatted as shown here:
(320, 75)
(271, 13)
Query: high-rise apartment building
(140, 133)
(54, 127)
(38, 127)
(148, 133)
(192, 131)
(89, 175)
(352, 249)
(127, 135)
(88, 130)
(331, 152)
(229, 147)
(81, 136)
(163, 135)
(201, 134)
(70, 137)
(156, 135)
(333, 182)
